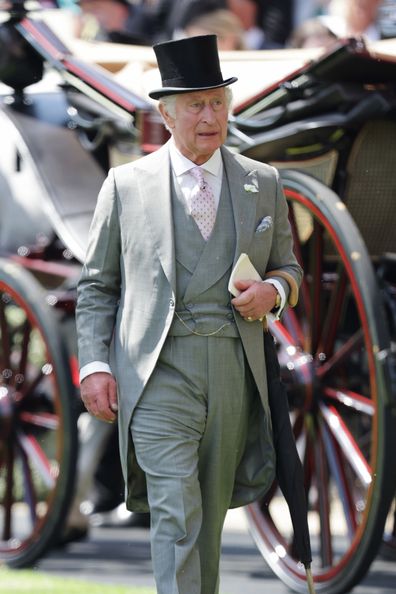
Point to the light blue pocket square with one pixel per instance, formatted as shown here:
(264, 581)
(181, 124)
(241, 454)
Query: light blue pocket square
(264, 224)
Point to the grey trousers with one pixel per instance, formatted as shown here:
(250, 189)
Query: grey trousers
(189, 431)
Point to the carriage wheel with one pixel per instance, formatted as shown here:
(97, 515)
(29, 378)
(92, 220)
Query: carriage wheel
(37, 425)
(334, 353)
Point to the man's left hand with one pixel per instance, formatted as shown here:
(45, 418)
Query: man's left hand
(256, 299)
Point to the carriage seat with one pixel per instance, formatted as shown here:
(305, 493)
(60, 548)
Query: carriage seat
(371, 185)
(48, 182)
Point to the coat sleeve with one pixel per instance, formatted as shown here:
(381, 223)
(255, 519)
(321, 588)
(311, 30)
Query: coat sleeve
(99, 287)
(282, 263)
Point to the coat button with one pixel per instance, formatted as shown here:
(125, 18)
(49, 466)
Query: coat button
(171, 303)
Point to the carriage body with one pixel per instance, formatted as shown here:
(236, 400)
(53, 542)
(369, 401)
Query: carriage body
(330, 128)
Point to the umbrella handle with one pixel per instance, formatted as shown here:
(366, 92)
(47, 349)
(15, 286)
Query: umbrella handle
(310, 582)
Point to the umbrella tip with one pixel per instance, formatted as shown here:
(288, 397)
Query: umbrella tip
(310, 582)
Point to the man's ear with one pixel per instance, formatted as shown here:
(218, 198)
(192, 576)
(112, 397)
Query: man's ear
(170, 122)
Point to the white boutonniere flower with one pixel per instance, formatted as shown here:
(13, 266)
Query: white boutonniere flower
(251, 188)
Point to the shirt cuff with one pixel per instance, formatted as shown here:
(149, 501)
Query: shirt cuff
(94, 367)
(282, 294)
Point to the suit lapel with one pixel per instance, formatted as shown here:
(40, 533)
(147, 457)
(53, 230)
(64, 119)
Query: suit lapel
(244, 204)
(154, 187)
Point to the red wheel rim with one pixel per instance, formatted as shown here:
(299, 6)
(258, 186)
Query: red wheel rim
(328, 359)
(31, 441)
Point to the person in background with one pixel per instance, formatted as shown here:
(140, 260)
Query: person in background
(361, 18)
(387, 19)
(170, 17)
(222, 23)
(116, 21)
(305, 10)
(315, 32)
(267, 23)
(164, 348)
(350, 18)
(358, 17)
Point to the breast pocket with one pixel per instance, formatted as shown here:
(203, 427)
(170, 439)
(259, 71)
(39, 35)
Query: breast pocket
(260, 246)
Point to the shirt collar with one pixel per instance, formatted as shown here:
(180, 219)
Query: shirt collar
(180, 163)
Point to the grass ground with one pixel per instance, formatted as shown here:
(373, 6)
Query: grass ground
(34, 582)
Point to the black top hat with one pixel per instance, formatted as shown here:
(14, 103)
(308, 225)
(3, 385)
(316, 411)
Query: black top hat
(190, 64)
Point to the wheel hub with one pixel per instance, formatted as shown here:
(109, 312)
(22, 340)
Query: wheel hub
(298, 373)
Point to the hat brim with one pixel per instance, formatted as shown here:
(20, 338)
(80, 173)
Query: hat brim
(158, 93)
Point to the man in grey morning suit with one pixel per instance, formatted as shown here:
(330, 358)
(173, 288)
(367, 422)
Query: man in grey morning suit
(189, 385)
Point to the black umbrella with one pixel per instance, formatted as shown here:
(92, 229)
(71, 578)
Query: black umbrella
(289, 470)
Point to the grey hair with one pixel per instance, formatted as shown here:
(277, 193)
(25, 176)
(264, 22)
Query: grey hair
(169, 103)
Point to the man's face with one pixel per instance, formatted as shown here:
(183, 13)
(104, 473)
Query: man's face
(200, 125)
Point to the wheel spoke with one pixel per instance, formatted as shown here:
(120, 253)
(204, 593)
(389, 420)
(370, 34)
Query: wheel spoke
(354, 343)
(26, 332)
(333, 315)
(338, 472)
(43, 420)
(5, 349)
(29, 493)
(282, 334)
(8, 491)
(29, 387)
(293, 326)
(351, 399)
(38, 458)
(294, 358)
(316, 273)
(322, 485)
(347, 443)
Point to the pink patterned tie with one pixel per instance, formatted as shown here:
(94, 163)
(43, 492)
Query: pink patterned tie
(203, 207)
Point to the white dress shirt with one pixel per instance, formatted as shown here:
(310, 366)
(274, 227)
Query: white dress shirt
(212, 172)
(213, 175)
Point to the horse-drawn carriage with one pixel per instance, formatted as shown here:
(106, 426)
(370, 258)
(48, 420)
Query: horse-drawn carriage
(330, 128)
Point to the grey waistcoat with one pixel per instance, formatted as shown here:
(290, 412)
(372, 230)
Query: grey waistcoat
(203, 269)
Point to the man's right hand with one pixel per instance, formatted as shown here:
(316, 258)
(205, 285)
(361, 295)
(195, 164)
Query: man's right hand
(99, 394)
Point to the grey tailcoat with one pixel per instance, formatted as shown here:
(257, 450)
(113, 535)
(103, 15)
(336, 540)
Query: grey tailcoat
(126, 295)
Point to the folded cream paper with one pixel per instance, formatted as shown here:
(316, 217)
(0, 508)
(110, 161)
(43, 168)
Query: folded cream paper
(242, 271)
